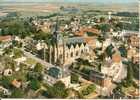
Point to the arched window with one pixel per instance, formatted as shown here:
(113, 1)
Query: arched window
(71, 54)
(67, 55)
(82, 51)
(76, 53)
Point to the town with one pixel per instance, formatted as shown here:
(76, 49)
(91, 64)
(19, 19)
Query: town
(71, 53)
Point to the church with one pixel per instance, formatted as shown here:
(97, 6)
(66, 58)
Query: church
(66, 49)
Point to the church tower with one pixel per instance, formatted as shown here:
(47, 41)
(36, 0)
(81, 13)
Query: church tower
(58, 44)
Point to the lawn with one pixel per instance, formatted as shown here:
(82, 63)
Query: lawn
(30, 61)
(128, 89)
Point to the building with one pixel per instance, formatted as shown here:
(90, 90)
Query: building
(7, 38)
(46, 27)
(66, 49)
(133, 54)
(99, 78)
(16, 83)
(136, 58)
(134, 40)
(4, 91)
(5, 41)
(7, 72)
(116, 58)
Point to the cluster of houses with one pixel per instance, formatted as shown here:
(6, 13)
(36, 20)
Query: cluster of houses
(67, 49)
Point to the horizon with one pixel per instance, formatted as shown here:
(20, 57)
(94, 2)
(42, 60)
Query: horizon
(69, 1)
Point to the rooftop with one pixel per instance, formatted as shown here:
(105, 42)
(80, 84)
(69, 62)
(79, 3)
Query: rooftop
(5, 38)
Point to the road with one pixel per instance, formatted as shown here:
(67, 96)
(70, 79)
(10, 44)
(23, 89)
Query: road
(44, 63)
(47, 78)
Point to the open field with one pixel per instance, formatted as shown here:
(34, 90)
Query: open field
(48, 7)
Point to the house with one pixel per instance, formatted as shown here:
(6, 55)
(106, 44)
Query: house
(134, 40)
(7, 38)
(136, 58)
(5, 41)
(116, 58)
(4, 91)
(7, 72)
(131, 52)
(16, 83)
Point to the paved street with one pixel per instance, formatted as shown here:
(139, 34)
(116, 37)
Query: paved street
(44, 63)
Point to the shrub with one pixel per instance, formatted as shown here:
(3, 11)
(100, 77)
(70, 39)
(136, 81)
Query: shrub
(74, 78)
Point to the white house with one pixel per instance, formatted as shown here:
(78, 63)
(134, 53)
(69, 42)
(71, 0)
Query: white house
(4, 91)
(8, 72)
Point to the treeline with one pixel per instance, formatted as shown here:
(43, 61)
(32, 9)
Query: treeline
(127, 14)
(133, 26)
(49, 16)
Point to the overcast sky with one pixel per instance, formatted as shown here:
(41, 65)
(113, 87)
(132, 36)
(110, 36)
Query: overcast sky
(101, 1)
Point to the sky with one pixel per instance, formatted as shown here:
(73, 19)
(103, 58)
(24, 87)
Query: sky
(100, 1)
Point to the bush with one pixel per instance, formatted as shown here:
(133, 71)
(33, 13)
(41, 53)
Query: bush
(91, 88)
(38, 68)
(74, 78)
(34, 84)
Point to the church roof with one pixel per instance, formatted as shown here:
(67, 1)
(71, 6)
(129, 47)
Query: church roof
(75, 40)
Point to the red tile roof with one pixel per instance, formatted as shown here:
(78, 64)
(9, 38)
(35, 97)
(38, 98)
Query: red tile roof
(116, 57)
(16, 83)
(5, 38)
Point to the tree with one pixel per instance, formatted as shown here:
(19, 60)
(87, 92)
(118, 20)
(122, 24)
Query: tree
(58, 90)
(62, 8)
(129, 74)
(16, 26)
(17, 53)
(34, 75)
(104, 27)
(17, 93)
(34, 84)
(100, 67)
(119, 26)
(102, 19)
(74, 78)
(59, 85)
(38, 68)
(6, 81)
(91, 88)
(123, 51)
(136, 70)
(109, 50)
